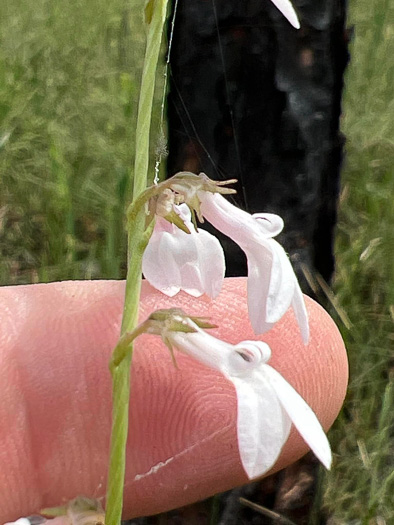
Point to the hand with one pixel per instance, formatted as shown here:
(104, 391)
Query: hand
(55, 404)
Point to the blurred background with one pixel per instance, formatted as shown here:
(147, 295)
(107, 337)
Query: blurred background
(69, 82)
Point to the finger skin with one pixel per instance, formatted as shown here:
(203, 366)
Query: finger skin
(55, 405)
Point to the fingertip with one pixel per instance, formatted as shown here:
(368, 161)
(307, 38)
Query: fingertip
(183, 444)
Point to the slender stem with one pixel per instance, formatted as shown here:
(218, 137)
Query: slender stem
(155, 34)
(137, 240)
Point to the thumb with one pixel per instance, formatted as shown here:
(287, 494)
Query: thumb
(55, 409)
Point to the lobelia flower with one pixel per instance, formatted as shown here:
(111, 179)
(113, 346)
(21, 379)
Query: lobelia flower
(272, 284)
(266, 403)
(175, 260)
(193, 261)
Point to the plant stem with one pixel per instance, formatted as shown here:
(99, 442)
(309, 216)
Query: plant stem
(137, 240)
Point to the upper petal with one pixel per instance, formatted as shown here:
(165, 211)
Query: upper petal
(229, 219)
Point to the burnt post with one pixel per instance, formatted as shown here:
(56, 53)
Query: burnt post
(253, 98)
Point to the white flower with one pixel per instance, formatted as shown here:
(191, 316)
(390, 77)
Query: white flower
(272, 284)
(266, 403)
(287, 10)
(175, 260)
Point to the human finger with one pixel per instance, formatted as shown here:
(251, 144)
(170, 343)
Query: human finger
(56, 396)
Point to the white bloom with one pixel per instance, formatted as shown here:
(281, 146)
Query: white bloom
(272, 284)
(267, 404)
(175, 260)
(287, 10)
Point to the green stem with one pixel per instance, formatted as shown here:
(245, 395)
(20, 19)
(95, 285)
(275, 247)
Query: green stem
(158, 8)
(137, 239)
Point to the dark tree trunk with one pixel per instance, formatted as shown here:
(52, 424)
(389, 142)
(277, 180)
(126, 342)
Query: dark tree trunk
(252, 98)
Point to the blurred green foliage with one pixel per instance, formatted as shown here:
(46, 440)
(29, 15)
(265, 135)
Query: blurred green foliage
(69, 77)
(360, 488)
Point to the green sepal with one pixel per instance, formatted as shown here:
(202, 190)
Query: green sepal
(174, 218)
(203, 322)
(168, 344)
(78, 505)
(164, 313)
(53, 512)
(175, 320)
(83, 504)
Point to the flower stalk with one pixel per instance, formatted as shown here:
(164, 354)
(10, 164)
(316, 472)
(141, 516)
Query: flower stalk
(138, 236)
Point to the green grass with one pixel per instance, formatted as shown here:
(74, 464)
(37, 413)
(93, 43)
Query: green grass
(361, 485)
(69, 80)
(69, 77)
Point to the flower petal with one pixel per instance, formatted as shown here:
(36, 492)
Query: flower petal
(266, 402)
(300, 312)
(270, 224)
(262, 425)
(301, 415)
(282, 281)
(183, 250)
(229, 219)
(272, 283)
(175, 260)
(211, 262)
(287, 10)
(158, 264)
(259, 273)
(203, 347)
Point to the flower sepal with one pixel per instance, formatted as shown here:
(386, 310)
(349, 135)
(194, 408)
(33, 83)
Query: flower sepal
(188, 186)
(165, 320)
(80, 510)
(176, 219)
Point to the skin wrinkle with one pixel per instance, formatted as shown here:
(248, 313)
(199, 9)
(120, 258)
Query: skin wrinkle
(54, 371)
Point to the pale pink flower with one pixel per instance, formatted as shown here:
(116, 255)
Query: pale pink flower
(175, 260)
(272, 284)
